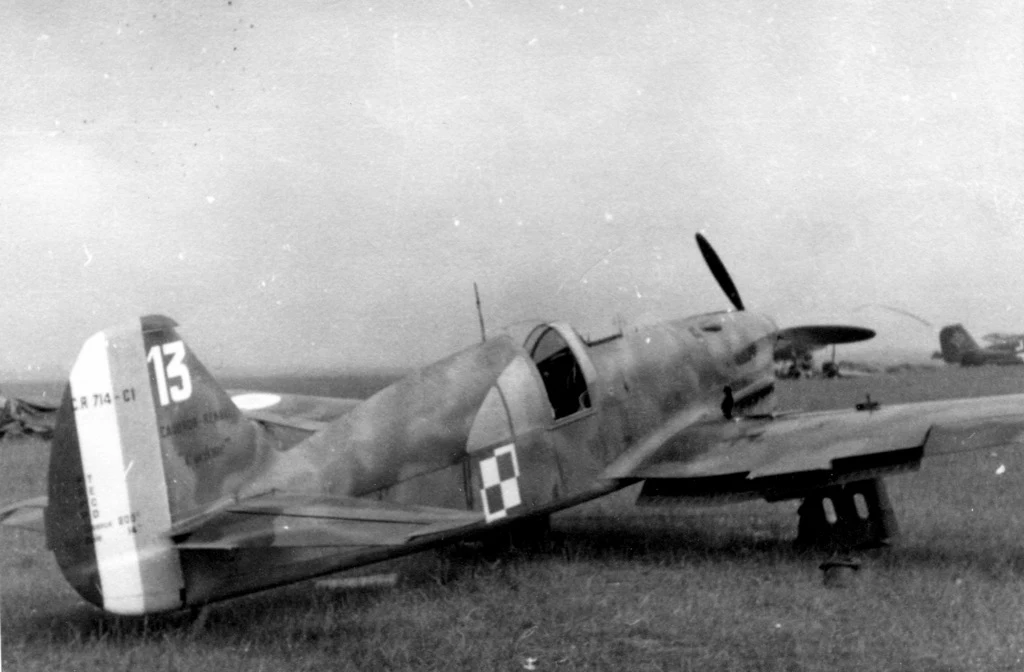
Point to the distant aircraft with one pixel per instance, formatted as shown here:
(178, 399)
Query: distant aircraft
(167, 492)
(959, 348)
(30, 416)
(796, 345)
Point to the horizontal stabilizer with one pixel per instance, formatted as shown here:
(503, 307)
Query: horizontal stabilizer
(279, 520)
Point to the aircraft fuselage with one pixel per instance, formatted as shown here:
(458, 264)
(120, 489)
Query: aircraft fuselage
(404, 441)
(429, 438)
(510, 428)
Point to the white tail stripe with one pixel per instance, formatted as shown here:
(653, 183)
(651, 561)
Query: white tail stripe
(99, 441)
(119, 442)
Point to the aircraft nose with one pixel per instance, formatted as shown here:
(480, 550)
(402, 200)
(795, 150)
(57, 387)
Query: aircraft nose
(763, 327)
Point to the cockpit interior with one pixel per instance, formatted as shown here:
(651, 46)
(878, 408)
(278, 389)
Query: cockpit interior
(563, 378)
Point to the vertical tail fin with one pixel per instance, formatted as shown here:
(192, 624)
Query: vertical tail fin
(144, 437)
(957, 344)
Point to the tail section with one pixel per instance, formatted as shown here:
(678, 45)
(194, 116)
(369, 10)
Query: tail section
(144, 438)
(957, 345)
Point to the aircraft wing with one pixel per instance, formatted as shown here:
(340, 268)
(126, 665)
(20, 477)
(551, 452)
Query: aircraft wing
(788, 456)
(39, 404)
(296, 411)
(290, 521)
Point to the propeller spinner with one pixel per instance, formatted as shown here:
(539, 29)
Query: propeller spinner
(718, 270)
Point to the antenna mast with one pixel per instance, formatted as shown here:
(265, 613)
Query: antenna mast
(480, 314)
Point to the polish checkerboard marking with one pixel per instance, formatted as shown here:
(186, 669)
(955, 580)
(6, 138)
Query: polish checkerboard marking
(499, 475)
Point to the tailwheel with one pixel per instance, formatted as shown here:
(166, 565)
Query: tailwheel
(847, 517)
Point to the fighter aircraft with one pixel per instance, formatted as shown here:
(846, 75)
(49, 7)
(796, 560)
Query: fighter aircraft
(167, 492)
(958, 347)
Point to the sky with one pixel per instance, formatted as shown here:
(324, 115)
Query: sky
(313, 186)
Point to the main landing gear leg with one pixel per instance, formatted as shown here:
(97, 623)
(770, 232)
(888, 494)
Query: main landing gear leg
(847, 517)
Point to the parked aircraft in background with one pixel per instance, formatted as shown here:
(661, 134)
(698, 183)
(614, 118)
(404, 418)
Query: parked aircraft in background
(27, 415)
(958, 347)
(167, 492)
(794, 350)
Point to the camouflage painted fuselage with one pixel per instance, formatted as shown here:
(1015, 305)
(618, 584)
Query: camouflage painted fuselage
(504, 428)
(410, 442)
(423, 440)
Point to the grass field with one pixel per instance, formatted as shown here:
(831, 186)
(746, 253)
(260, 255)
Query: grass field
(614, 589)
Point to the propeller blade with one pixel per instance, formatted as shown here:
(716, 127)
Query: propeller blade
(718, 270)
